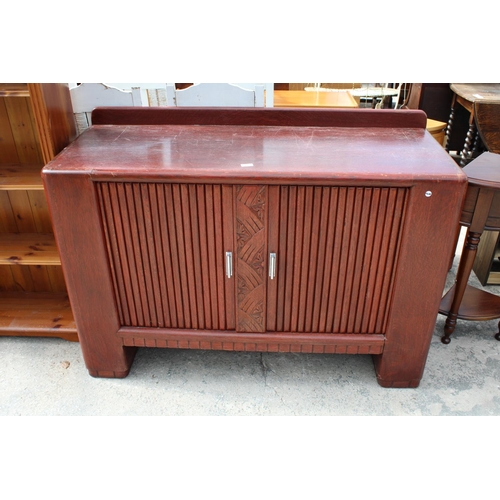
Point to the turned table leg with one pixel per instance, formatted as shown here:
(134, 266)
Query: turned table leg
(469, 140)
(464, 270)
(449, 126)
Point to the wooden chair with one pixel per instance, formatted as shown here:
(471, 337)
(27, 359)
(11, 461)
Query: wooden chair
(268, 91)
(153, 95)
(216, 95)
(487, 118)
(414, 98)
(87, 96)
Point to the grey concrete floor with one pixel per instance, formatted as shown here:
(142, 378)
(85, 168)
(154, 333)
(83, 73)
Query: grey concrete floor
(265, 458)
(48, 377)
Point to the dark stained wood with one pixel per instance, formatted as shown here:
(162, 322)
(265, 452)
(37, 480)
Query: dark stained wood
(294, 274)
(485, 173)
(273, 342)
(474, 91)
(465, 95)
(432, 98)
(250, 258)
(262, 116)
(90, 290)
(273, 247)
(223, 151)
(484, 266)
(481, 211)
(477, 305)
(173, 247)
(357, 213)
(423, 256)
(487, 116)
(224, 218)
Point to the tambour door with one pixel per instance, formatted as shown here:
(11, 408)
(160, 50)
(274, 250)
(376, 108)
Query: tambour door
(335, 251)
(253, 258)
(166, 247)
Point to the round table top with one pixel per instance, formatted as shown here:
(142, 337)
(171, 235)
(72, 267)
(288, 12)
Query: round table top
(373, 92)
(474, 91)
(359, 92)
(483, 174)
(484, 171)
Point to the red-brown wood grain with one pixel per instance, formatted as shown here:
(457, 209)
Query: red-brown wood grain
(356, 205)
(260, 117)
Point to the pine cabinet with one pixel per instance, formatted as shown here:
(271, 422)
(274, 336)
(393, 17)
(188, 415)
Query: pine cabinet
(36, 122)
(321, 231)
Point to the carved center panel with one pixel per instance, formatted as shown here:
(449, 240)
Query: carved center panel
(251, 244)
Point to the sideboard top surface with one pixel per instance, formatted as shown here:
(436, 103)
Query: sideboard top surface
(262, 152)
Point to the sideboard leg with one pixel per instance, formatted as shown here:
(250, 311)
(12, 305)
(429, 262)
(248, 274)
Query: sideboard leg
(118, 368)
(389, 375)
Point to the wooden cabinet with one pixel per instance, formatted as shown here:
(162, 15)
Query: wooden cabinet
(487, 262)
(323, 231)
(36, 122)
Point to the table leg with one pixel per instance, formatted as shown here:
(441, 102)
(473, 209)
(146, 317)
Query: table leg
(477, 145)
(466, 151)
(449, 127)
(464, 270)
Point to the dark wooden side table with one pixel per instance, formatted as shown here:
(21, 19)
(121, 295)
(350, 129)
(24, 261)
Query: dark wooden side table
(465, 94)
(481, 211)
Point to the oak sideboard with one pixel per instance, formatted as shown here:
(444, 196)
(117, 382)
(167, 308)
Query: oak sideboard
(272, 230)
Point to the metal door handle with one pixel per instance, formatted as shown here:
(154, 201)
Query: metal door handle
(229, 264)
(272, 265)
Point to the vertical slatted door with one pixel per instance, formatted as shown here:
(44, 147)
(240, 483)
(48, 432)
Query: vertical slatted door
(166, 245)
(336, 252)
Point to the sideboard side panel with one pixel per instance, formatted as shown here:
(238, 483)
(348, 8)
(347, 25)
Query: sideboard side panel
(84, 259)
(419, 281)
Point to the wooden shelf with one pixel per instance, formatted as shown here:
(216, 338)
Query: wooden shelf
(26, 177)
(36, 123)
(14, 90)
(36, 314)
(28, 249)
(477, 305)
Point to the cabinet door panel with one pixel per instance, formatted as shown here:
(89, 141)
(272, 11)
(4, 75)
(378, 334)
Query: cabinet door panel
(166, 246)
(337, 249)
